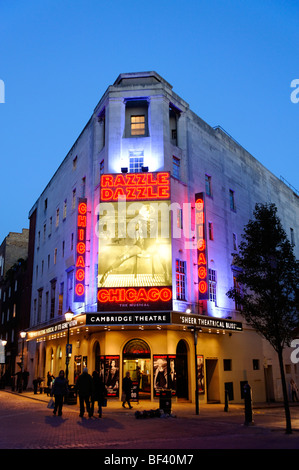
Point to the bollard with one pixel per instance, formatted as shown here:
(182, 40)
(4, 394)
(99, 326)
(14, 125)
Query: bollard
(248, 405)
(226, 400)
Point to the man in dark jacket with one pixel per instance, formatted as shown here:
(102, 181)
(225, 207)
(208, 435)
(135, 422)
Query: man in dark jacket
(127, 386)
(84, 387)
(59, 390)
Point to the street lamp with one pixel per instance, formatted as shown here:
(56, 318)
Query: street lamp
(68, 318)
(195, 330)
(23, 336)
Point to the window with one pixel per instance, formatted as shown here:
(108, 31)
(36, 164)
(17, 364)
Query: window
(138, 125)
(45, 232)
(63, 246)
(47, 304)
(256, 364)
(55, 255)
(39, 305)
(45, 204)
(69, 288)
(211, 231)
(14, 313)
(50, 227)
(208, 185)
(136, 161)
(72, 241)
(74, 199)
(57, 217)
(232, 203)
(75, 162)
(60, 299)
(227, 364)
(48, 261)
(64, 209)
(102, 167)
(136, 118)
(179, 218)
(53, 293)
(176, 167)
(292, 237)
(83, 186)
(180, 280)
(212, 285)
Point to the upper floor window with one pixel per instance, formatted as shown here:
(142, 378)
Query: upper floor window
(180, 269)
(57, 217)
(74, 199)
(212, 285)
(136, 118)
(138, 125)
(176, 163)
(232, 202)
(64, 209)
(102, 167)
(136, 161)
(208, 185)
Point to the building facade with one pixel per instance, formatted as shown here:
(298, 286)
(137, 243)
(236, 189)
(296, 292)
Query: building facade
(135, 233)
(15, 292)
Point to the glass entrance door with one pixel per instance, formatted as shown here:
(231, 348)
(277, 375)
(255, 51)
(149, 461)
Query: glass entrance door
(137, 361)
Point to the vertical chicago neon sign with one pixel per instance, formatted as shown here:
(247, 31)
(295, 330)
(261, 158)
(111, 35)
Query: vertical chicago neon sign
(79, 294)
(202, 252)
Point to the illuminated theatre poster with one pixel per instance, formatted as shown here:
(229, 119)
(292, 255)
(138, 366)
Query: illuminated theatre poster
(134, 229)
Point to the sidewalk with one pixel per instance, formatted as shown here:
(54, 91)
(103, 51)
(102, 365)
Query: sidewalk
(178, 407)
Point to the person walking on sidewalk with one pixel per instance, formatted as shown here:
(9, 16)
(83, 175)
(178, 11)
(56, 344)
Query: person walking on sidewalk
(98, 392)
(127, 386)
(59, 391)
(84, 387)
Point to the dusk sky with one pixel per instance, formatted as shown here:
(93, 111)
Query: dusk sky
(233, 61)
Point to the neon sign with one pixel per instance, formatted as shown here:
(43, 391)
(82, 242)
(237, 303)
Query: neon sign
(121, 298)
(79, 294)
(202, 252)
(135, 186)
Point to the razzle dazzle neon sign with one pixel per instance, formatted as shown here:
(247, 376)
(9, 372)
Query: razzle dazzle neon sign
(202, 252)
(79, 294)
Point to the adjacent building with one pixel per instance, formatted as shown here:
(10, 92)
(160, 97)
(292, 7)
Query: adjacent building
(135, 234)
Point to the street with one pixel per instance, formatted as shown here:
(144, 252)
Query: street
(27, 423)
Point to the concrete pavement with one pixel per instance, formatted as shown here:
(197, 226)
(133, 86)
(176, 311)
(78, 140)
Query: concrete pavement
(27, 423)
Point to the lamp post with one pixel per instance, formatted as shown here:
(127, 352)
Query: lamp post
(68, 318)
(23, 336)
(195, 331)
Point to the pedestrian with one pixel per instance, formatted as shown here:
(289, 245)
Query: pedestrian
(98, 392)
(294, 390)
(127, 386)
(25, 378)
(50, 378)
(84, 387)
(59, 391)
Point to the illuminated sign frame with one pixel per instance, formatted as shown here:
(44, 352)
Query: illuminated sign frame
(202, 249)
(135, 186)
(79, 292)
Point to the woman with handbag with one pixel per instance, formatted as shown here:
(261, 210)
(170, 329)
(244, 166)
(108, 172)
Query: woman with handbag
(59, 391)
(98, 393)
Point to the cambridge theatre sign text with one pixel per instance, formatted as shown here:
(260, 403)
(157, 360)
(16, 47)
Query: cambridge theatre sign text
(169, 318)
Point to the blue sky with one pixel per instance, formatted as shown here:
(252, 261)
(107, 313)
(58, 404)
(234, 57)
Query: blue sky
(232, 61)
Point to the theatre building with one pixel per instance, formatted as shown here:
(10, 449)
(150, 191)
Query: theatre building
(135, 235)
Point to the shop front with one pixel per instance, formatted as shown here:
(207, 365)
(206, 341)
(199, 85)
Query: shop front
(158, 356)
